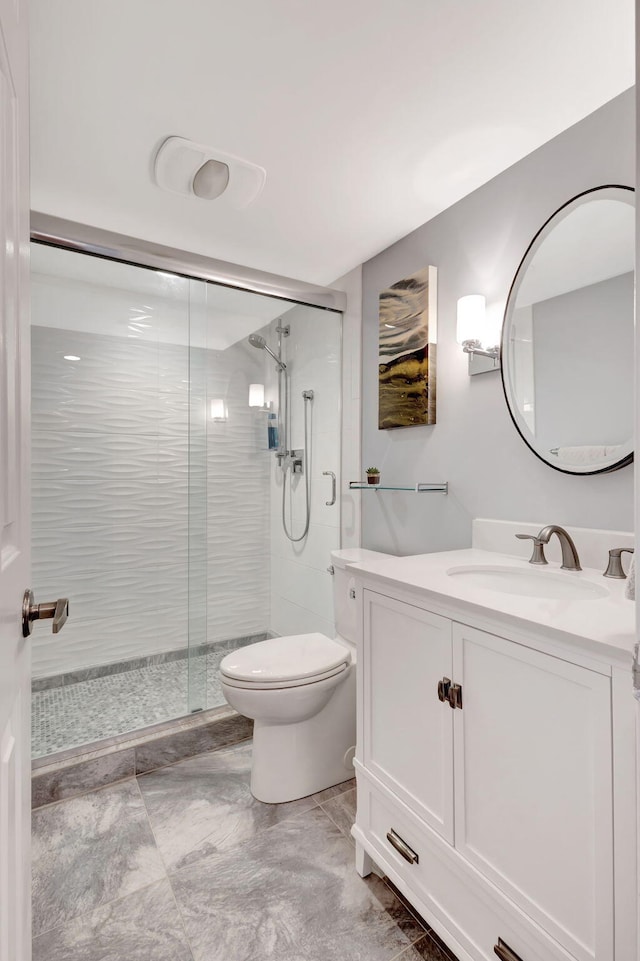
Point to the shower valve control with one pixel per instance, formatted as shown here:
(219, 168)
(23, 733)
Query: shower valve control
(57, 610)
(297, 461)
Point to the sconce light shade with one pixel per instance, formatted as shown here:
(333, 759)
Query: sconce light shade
(471, 315)
(474, 335)
(256, 395)
(218, 409)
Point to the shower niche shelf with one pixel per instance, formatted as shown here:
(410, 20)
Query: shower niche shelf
(419, 488)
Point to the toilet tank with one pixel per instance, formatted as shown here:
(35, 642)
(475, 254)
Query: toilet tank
(344, 609)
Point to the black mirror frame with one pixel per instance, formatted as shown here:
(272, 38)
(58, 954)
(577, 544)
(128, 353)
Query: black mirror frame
(627, 459)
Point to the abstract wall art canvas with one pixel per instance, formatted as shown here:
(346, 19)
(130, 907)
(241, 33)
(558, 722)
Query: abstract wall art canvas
(407, 352)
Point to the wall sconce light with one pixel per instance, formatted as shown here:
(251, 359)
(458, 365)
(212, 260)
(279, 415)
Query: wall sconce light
(472, 335)
(256, 395)
(219, 409)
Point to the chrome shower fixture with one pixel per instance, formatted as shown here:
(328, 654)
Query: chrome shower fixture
(257, 341)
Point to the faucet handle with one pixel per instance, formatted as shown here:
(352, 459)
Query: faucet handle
(538, 548)
(614, 567)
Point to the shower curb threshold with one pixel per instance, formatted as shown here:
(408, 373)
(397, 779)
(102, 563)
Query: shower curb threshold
(75, 771)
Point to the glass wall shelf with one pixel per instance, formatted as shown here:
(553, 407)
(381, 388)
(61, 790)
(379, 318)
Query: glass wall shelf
(419, 488)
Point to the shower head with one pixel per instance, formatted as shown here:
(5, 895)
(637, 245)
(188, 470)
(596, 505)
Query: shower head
(257, 341)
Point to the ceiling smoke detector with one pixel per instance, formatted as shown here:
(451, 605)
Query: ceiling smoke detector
(193, 169)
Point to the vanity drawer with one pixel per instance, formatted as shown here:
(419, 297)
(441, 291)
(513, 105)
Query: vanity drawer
(466, 910)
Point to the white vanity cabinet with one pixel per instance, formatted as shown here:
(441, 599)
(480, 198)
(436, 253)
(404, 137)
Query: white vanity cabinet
(495, 817)
(408, 650)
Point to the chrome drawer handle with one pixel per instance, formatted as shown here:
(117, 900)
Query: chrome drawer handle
(407, 853)
(504, 952)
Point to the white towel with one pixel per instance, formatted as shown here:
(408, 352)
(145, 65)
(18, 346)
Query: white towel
(630, 592)
(630, 586)
(593, 454)
(635, 674)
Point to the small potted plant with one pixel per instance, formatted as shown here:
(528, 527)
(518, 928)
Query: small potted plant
(373, 475)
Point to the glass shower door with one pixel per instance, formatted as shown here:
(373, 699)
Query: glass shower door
(197, 498)
(181, 486)
(111, 511)
(265, 577)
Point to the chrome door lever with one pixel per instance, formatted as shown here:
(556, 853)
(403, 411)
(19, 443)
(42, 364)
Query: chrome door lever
(57, 610)
(329, 473)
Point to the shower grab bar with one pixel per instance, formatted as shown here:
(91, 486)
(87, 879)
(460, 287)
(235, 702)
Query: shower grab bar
(329, 473)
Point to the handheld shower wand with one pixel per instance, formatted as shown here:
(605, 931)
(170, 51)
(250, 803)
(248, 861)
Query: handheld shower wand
(257, 341)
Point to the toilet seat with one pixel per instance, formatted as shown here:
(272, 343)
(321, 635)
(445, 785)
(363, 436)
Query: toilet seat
(280, 685)
(282, 662)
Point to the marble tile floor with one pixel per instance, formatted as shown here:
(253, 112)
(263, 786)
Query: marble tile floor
(101, 707)
(184, 865)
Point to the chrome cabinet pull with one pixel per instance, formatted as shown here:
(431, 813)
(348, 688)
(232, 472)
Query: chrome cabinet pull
(454, 696)
(504, 952)
(57, 610)
(329, 473)
(407, 853)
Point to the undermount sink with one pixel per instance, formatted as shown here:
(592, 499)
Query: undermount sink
(556, 585)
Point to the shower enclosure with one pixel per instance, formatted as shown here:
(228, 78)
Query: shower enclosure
(184, 433)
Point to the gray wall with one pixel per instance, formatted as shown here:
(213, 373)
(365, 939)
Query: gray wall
(599, 380)
(477, 245)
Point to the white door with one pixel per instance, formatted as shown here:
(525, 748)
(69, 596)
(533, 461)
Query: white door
(15, 933)
(408, 732)
(533, 785)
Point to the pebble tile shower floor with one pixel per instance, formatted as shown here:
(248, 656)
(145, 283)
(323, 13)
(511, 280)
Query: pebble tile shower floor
(183, 864)
(90, 710)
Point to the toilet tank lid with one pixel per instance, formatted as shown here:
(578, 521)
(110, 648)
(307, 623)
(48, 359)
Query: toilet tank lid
(289, 658)
(354, 555)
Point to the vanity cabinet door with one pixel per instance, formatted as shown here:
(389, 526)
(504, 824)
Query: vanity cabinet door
(533, 784)
(407, 731)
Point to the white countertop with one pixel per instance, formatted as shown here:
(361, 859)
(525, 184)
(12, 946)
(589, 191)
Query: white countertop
(604, 621)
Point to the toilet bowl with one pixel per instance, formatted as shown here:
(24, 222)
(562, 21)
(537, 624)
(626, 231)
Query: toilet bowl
(300, 691)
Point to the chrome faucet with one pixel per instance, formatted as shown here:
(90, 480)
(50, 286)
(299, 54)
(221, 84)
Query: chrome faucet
(570, 559)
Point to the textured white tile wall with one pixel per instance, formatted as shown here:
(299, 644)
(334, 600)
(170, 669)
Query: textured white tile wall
(113, 497)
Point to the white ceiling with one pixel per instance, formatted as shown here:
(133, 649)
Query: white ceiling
(370, 116)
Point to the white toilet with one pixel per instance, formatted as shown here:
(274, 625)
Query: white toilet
(301, 692)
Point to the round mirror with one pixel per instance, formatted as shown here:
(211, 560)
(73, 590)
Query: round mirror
(567, 337)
